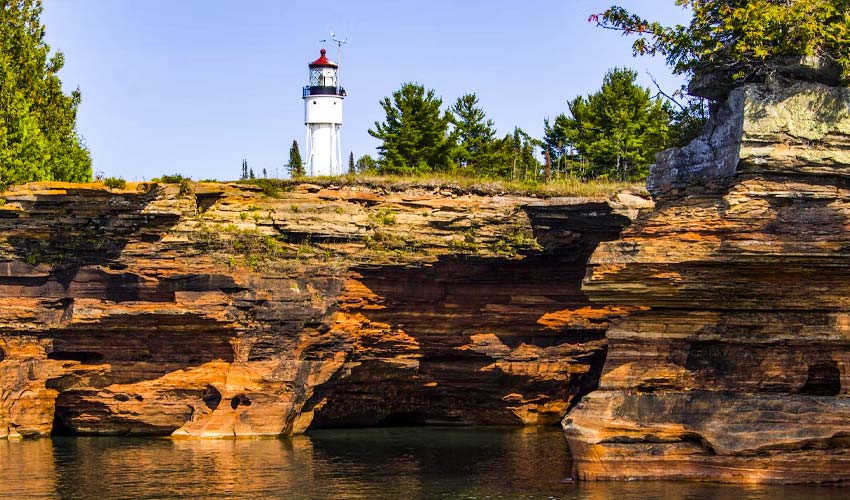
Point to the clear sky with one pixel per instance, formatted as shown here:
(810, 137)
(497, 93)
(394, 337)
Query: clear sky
(194, 86)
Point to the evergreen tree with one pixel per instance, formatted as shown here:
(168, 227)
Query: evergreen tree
(244, 175)
(475, 135)
(365, 164)
(414, 137)
(513, 157)
(296, 166)
(351, 167)
(251, 173)
(265, 176)
(523, 162)
(555, 144)
(38, 136)
(615, 131)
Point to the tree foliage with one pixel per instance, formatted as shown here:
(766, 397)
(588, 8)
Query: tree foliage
(613, 132)
(414, 135)
(740, 38)
(38, 136)
(474, 133)
(365, 164)
(295, 165)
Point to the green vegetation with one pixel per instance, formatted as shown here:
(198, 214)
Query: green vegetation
(184, 182)
(614, 132)
(383, 217)
(366, 164)
(244, 247)
(739, 39)
(475, 135)
(414, 135)
(467, 243)
(38, 136)
(170, 179)
(271, 187)
(515, 242)
(459, 184)
(295, 165)
(115, 183)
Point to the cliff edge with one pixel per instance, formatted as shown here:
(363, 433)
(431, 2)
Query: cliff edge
(222, 310)
(737, 368)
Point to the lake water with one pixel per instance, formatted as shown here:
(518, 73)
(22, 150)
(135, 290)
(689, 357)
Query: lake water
(393, 463)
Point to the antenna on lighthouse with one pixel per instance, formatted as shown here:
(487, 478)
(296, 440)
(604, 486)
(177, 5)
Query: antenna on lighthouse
(339, 44)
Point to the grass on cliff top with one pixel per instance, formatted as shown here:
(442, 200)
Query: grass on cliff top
(568, 186)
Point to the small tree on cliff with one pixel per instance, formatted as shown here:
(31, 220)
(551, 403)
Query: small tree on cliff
(414, 136)
(737, 40)
(38, 136)
(296, 166)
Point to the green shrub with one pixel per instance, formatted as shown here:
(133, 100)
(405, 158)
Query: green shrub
(115, 183)
(170, 179)
(383, 216)
(185, 187)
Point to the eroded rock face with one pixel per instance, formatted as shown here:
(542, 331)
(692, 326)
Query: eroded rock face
(213, 310)
(738, 369)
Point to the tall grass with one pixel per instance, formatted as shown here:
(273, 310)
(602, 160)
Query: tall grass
(569, 186)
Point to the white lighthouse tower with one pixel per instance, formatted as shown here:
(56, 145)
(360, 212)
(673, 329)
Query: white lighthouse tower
(323, 117)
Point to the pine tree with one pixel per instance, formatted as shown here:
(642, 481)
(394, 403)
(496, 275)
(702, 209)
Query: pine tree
(351, 168)
(475, 135)
(295, 166)
(251, 173)
(615, 131)
(414, 137)
(244, 175)
(265, 175)
(38, 136)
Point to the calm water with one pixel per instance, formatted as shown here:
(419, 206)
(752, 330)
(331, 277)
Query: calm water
(399, 463)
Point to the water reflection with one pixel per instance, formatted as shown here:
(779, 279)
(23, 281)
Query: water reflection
(335, 464)
(27, 469)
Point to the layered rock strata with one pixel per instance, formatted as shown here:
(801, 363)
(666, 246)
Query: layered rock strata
(738, 368)
(218, 310)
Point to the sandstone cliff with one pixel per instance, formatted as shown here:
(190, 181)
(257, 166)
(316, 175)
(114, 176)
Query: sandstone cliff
(738, 368)
(220, 310)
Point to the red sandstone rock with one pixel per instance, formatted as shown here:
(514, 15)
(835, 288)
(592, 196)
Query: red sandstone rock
(737, 369)
(222, 312)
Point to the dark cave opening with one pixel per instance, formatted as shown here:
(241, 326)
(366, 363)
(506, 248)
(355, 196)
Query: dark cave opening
(823, 379)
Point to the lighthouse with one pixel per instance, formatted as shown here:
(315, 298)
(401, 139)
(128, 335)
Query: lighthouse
(323, 117)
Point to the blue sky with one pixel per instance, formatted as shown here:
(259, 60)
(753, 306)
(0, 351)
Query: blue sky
(194, 86)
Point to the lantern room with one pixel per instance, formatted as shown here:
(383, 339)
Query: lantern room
(324, 77)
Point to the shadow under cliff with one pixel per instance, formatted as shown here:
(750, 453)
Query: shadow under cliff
(466, 341)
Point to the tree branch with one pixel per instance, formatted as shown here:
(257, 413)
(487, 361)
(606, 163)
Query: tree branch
(674, 101)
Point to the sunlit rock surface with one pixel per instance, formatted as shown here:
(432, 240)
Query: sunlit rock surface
(218, 310)
(738, 370)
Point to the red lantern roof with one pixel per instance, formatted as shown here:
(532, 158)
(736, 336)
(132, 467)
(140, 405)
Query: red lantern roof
(323, 61)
